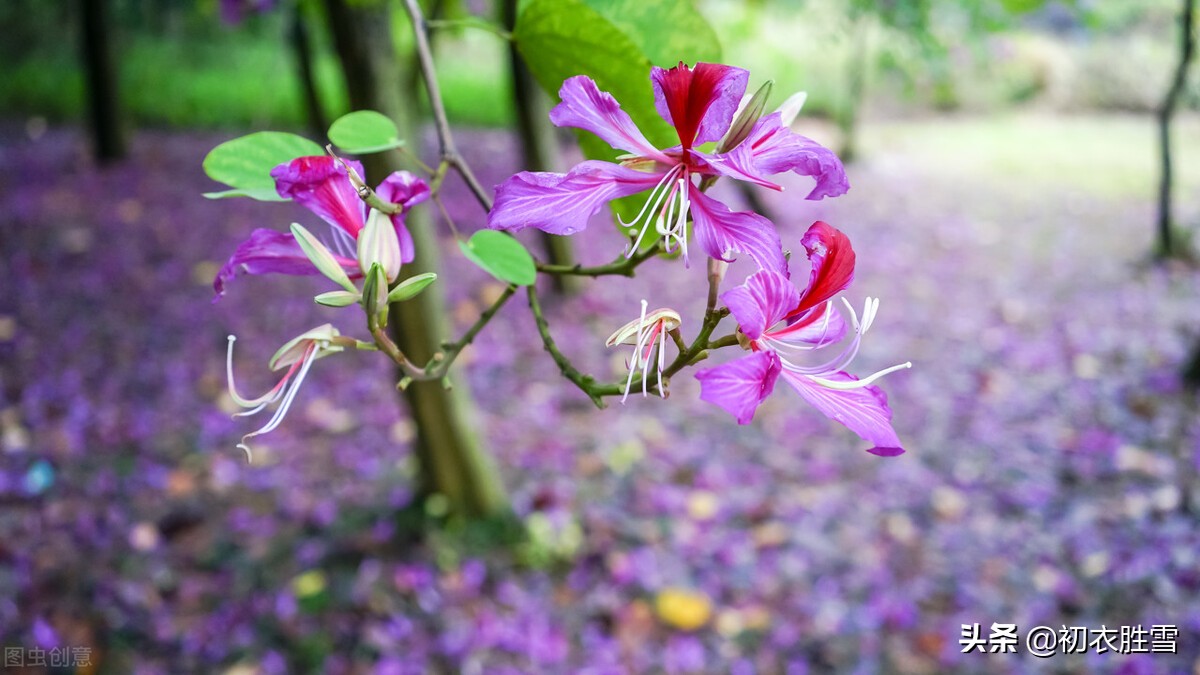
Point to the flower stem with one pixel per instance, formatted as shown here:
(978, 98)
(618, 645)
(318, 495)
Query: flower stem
(622, 266)
(569, 371)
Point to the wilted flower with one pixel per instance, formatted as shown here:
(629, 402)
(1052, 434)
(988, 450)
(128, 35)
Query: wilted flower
(297, 355)
(648, 335)
(778, 321)
(700, 103)
(322, 185)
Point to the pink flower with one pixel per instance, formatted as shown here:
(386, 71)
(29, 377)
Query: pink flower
(700, 103)
(322, 185)
(779, 323)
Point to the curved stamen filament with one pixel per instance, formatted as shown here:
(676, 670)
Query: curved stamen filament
(255, 403)
(667, 209)
(637, 352)
(855, 384)
(652, 205)
(291, 388)
(672, 223)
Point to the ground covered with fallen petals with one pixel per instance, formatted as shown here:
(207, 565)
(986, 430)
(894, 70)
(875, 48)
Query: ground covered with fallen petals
(1050, 444)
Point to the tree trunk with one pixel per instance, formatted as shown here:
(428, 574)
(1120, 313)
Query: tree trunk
(539, 150)
(452, 462)
(100, 73)
(1166, 234)
(857, 67)
(298, 36)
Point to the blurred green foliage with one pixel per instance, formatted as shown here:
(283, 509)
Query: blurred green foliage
(181, 66)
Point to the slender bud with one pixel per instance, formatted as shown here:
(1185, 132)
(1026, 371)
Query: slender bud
(375, 292)
(337, 299)
(379, 245)
(745, 119)
(321, 258)
(409, 288)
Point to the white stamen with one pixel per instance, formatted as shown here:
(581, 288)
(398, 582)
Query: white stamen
(853, 315)
(651, 206)
(637, 354)
(855, 384)
(256, 403)
(291, 389)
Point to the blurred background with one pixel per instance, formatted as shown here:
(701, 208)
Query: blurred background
(1006, 206)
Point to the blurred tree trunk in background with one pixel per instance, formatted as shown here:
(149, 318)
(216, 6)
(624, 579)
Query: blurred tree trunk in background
(451, 460)
(1167, 246)
(301, 42)
(539, 150)
(856, 86)
(100, 73)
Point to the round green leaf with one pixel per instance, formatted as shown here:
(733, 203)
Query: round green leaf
(245, 163)
(501, 256)
(364, 131)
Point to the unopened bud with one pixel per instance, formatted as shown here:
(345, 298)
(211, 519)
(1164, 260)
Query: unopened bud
(375, 293)
(378, 244)
(321, 257)
(744, 121)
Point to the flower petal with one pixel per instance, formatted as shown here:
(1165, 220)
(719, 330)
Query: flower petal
(761, 302)
(721, 232)
(772, 148)
(740, 386)
(699, 102)
(562, 203)
(832, 259)
(584, 106)
(321, 185)
(407, 190)
(863, 410)
(271, 252)
(818, 327)
(403, 188)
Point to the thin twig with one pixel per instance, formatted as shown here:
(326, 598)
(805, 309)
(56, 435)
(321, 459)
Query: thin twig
(446, 144)
(622, 266)
(569, 371)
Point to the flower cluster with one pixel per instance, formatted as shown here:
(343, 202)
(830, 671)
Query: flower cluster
(777, 322)
(363, 244)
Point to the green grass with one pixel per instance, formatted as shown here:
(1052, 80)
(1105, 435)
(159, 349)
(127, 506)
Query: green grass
(236, 79)
(1106, 156)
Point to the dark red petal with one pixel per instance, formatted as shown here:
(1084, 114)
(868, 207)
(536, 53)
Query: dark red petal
(832, 260)
(688, 93)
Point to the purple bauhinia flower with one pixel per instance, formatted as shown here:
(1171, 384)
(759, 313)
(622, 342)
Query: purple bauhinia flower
(322, 185)
(700, 103)
(778, 322)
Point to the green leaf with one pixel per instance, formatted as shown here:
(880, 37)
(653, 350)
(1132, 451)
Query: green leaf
(666, 31)
(245, 163)
(363, 132)
(409, 288)
(614, 42)
(261, 194)
(501, 256)
(563, 38)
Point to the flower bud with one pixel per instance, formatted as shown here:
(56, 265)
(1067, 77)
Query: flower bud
(321, 258)
(379, 245)
(375, 294)
(744, 121)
